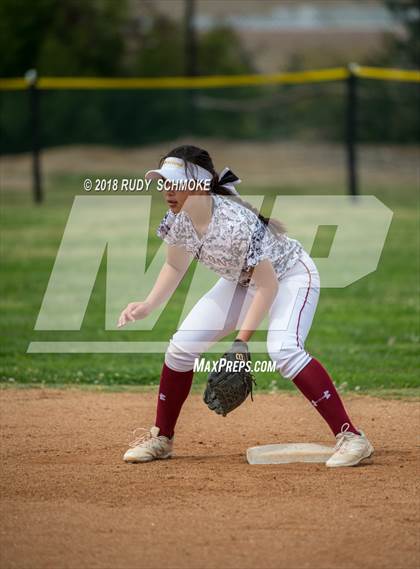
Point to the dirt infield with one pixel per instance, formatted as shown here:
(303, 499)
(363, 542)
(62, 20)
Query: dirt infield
(68, 500)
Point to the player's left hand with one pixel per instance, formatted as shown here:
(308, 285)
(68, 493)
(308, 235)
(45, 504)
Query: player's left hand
(230, 385)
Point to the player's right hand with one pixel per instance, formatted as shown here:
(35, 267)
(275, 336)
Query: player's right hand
(134, 311)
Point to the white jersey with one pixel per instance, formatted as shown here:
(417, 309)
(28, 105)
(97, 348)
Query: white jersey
(236, 240)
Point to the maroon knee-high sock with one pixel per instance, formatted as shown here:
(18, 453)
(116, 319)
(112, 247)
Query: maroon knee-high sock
(317, 386)
(173, 390)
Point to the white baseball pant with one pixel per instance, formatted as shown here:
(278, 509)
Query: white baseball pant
(222, 309)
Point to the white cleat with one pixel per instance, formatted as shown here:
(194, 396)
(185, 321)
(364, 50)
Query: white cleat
(350, 448)
(149, 446)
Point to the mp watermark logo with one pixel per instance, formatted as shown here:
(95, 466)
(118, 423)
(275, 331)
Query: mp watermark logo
(117, 227)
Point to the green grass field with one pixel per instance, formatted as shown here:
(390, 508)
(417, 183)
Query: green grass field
(367, 334)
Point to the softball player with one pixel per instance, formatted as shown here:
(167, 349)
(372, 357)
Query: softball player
(262, 271)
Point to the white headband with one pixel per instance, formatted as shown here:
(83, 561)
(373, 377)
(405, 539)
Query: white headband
(174, 169)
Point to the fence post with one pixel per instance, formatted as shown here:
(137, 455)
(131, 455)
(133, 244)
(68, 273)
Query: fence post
(190, 60)
(31, 78)
(351, 130)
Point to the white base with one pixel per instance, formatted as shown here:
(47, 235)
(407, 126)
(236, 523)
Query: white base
(286, 453)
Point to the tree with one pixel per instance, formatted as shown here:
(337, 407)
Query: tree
(62, 37)
(405, 50)
(22, 28)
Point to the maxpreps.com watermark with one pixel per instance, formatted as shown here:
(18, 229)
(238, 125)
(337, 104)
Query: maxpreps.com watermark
(257, 366)
(142, 185)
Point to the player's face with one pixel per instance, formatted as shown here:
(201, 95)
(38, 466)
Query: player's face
(175, 198)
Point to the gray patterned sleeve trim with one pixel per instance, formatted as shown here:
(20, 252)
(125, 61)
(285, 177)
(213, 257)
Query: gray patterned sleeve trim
(176, 229)
(165, 225)
(259, 247)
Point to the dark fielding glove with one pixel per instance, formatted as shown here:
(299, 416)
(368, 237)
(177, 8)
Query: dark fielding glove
(231, 384)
